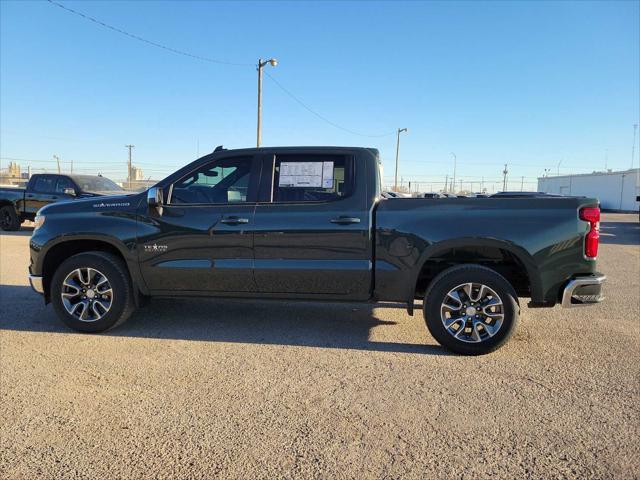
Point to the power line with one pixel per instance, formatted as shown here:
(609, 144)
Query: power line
(211, 60)
(144, 40)
(101, 162)
(153, 163)
(321, 117)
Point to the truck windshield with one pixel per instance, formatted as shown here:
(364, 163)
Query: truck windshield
(90, 183)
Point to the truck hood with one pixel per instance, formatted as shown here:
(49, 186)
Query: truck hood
(104, 193)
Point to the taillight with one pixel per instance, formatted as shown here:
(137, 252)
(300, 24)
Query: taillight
(591, 215)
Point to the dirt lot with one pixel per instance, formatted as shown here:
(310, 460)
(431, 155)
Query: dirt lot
(193, 389)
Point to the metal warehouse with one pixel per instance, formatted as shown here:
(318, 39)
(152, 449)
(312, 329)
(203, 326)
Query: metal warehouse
(615, 190)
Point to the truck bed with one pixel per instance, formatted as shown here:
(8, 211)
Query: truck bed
(545, 236)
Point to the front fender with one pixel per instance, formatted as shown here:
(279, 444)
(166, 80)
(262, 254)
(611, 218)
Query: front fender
(83, 231)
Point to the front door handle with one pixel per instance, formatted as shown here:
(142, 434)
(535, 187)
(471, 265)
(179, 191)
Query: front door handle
(345, 220)
(234, 220)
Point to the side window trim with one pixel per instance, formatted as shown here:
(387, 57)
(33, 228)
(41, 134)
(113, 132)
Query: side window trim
(272, 182)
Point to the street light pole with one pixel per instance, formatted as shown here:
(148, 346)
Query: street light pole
(455, 161)
(504, 178)
(273, 62)
(395, 180)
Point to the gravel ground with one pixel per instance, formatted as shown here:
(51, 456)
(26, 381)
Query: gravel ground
(238, 389)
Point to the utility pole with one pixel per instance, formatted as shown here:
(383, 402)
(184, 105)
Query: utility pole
(558, 171)
(455, 161)
(504, 179)
(633, 148)
(57, 159)
(482, 185)
(273, 62)
(395, 181)
(129, 175)
(522, 185)
(72, 166)
(446, 183)
(460, 186)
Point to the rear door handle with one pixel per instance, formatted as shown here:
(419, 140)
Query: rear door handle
(234, 220)
(345, 220)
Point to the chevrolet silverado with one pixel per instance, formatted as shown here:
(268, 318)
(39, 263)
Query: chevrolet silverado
(310, 223)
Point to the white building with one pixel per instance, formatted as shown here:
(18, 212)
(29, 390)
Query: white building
(615, 190)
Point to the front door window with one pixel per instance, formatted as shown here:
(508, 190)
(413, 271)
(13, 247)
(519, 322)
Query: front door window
(223, 181)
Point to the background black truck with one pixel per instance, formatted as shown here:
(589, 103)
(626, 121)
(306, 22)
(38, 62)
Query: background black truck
(20, 204)
(309, 223)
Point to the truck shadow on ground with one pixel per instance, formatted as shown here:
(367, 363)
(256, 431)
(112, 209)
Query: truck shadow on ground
(323, 325)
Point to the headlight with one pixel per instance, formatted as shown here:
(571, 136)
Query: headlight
(38, 221)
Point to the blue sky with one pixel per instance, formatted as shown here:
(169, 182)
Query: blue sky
(528, 84)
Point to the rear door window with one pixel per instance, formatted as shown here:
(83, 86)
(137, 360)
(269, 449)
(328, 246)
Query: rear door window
(311, 178)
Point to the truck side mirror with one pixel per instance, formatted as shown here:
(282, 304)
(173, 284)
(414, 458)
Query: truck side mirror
(69, 191)
(155, 198)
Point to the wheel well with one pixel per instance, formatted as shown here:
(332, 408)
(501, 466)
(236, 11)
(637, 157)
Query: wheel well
(498, 259)
(59, 253)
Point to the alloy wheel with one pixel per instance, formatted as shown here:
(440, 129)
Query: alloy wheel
(472, 312)
(87, 294)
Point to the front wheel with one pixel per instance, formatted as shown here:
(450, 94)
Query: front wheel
(471, 309)
(92, 292)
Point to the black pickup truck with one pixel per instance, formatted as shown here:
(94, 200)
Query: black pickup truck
(309, 223)
(20, 204)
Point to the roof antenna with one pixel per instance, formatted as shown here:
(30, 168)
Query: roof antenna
(219, 148)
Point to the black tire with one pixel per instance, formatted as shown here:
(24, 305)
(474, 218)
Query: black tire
(123, 303)
(470, 273)
(9, 219)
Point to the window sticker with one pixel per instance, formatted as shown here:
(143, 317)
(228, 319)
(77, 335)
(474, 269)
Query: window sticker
(306, 174)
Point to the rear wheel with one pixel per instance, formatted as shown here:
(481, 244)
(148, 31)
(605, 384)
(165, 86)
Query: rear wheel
(9, 219)
(471, 309)
(91, 292)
